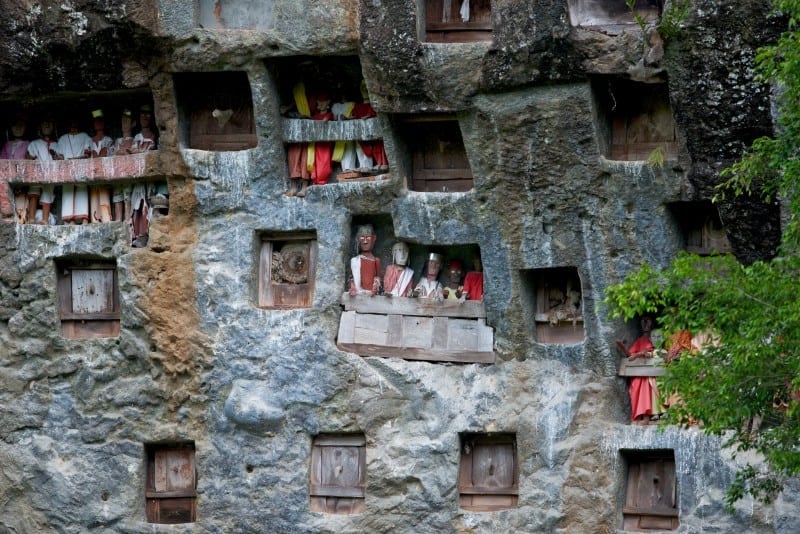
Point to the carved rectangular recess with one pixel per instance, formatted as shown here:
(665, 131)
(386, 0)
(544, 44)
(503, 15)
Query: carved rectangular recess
(338, 477)
(325, 101)
(636, 121)
(218, 118)
(439, 159)
(235, 14)
(287, 270)
(600, 13)
(88, 296)
(488, 478)
(457, 21)
(171, 483)
(701, 227)
(554, 299)
(651, 491)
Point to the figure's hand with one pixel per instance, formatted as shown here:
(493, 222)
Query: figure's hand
(445, 292)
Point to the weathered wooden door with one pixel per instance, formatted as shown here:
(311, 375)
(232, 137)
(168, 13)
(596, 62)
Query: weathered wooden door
(651, 497)
(489, 474)
(440, 160)
(338, 474)
(171, 490)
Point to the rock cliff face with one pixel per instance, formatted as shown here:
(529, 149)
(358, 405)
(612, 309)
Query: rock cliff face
(198, 361)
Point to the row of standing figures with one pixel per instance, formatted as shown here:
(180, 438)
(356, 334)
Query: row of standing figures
(313, 162)
(397, 281)
(82, 204)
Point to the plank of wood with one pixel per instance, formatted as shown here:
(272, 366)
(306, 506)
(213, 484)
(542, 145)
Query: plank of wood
(641, 367)
(413, 306)
(417, 354)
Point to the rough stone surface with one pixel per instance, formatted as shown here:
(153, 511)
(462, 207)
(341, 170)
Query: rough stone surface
(197, 360)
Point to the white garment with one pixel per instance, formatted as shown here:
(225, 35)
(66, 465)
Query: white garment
(39, 149)
(74, 202)
(72, 146)
(464, 11)
(429, 289)
(105, 142)
(400, 289)
(45, 193)
(141, 143)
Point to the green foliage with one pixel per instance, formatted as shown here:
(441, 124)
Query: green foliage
(636, 16)
(656, 157)
(745, 384)
(672, 19)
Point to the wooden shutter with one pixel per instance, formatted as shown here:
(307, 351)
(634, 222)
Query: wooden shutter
(88, 300)
(651, 496)
(338, 474)
(440, 159)
(171, 492)
(489, 474)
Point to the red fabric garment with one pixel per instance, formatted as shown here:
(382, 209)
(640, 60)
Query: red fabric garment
(375, 150)
(370, 269)
(296, 156)
(364, 110)
(640, 390)
(473, 285)
(323, 165)
(323, 152)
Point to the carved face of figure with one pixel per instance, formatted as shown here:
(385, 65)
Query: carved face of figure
(454, 272)
(46, 128)
(126, 123)
(98, 124)
(144, 119)
(74, 126)
(433, 268)
(366, 242)
(323, 106)
(477, 265)
(18, 128)
(400, 254)
(647, 324)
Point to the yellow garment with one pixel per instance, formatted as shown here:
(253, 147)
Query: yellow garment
(338, 151)
(301, 100)
(310, 157)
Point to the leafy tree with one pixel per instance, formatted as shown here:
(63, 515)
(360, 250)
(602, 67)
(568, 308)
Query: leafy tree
(744, 385)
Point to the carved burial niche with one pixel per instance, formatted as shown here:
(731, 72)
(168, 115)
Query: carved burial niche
(220, 116)
(456, 21)
(338, 474)
(701, 227)
(171, 483)
(88, 298)
(235, 14)
(554, 300)
(438, 157)
(610, 13)
(330, 128)
(488, 477)
(651, 491)
(635, 120)
(287, 269)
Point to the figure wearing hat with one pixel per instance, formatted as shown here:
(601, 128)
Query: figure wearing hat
(74, 197)
(454, 290)
(366, 268)
(124, 145)
(101, 143)
(147, 138)
(398, 277)
(429, 286)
